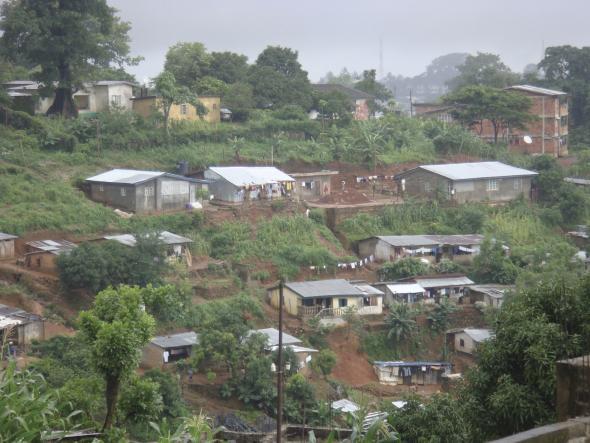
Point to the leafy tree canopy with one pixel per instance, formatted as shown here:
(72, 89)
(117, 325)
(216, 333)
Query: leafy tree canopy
(484, 69)
(70, 41)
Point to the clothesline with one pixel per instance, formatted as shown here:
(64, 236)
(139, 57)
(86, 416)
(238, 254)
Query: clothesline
(349, 265)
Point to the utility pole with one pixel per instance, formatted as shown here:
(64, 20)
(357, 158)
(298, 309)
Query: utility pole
(543, 127)
(280, 368)
(381, 73)
(411, 105)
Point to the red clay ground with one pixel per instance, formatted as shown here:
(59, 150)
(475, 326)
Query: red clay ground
(352, 366)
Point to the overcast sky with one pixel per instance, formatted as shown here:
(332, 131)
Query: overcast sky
(331, 34)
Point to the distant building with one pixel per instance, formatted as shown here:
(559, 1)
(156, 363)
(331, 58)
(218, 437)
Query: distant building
(411, 372)
(150, 104)
(437, 286)
(99, 96)
(7, 245)
(490, 294)
(313, 185)
(433, 248)
(168, 348)
(434, 111)
(42, 254)
(396, 292)
(239, 184)
(303, 354)
(176, 245)
(360, 99)
(492, 182)
(467, 340)
(330, 298)
(20, 327)
(145, 191)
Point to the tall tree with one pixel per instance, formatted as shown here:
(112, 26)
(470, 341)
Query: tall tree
(228, 66)
(568, 67)
(188, 62)
(115, 329)
(484, 69)
(69, 40)
(278, 79)
(473, 105)
(379, 91)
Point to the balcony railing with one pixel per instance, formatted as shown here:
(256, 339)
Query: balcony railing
(321, 312)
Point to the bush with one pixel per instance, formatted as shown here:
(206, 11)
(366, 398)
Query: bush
(405, 267)
(324, 362)
(318, 216)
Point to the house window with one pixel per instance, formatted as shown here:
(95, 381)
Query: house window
(123, 192)
(564, 121)
(343, 302)
(492, 184)
(149, 191)
(214, 106)
(184, 109)
(518, 184)
(427, 187)
(101, 188)
(461, 342)
(563, 140)
(116, 100)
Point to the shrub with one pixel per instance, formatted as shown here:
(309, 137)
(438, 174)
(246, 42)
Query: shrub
(405, 267)
(324, 362)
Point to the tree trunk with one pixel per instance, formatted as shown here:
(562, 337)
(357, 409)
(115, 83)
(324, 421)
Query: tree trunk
(111, 393)
(495, 124)
(63, 103)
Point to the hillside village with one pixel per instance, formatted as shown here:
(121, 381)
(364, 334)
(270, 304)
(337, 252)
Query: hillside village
(230, 252)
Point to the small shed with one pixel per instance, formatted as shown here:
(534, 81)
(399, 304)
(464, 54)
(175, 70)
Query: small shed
(402, 292)
(467, 340)
(459, 248)
(7, 245)
(411, 372)
(452, 286)
(145, 191)
(239, 184)
(176, 245)
(42, 254)
(490, 294)
(168, 348)
(304, 354)
(20, 327)
(313, 185)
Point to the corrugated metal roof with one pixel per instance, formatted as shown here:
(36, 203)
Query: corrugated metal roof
(536, 90)
(368, 289)
(251, 175)
(406, 288)
(577, 181)
(297, 349)
(176, 340)
(10, 316)
(4, 236)
(495, 291)
(478, 335)
(113, 83)
(272, 335)
(53, 246)
(477, 170)
(165, 237)
(432, 240)
(124, 176)
(389, 364)
(345, 405)
(442, 282)
(324, 288)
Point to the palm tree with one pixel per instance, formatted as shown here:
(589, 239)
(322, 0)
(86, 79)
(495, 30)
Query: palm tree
(401, 322)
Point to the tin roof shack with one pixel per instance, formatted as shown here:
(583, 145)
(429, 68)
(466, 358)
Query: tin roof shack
(7, 245)
(20, 327)
(145, 191)
(239, 184)
(329, 298)
(492, 182)
(42, 254)
(489, 294)
(176, 245)
(403, 292)
(168, 348)
(467, 340)
(304, 354)
(459, 248)
(411, 372)
(437, 286)
(313, 185)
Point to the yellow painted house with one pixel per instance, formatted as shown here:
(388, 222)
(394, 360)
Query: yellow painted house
(330, 298)
(148, 105)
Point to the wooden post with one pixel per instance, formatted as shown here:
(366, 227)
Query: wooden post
(280, 368)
